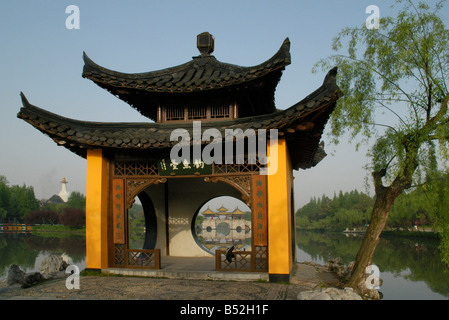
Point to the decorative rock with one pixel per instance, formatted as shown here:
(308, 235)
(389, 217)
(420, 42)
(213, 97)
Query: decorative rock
(15, 275)
(51, 265)
(329, 294)
(66, 258)
(18, 276)
(336, 265)
(31, 279)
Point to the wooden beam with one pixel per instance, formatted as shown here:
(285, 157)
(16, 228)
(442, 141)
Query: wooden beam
(307, 126)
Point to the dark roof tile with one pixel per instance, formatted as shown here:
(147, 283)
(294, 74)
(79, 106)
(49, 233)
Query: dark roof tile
(77, 135)
(203, 73)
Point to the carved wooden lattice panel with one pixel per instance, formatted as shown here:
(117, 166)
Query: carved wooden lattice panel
(236, 168)
(240, 263)
(260, 258)
(119, 255)
(135, 168)
(256, 261)
(240, 182)
(143, 259)
(149, 259)
(150, 168)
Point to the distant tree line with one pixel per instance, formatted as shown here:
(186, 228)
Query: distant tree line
(18, 204)
(418, 207)
(349, 209)
(16, 201)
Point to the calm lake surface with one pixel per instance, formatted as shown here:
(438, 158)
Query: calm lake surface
(410, 268)
(29, 250)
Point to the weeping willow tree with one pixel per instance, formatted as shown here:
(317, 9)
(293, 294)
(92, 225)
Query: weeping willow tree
(394, 79)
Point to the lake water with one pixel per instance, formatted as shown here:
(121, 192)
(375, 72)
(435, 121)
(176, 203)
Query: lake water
(29, 250)
(410, 268)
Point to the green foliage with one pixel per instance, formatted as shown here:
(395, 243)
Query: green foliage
(76, 200)
(437, 208)
(42, 216)
(247, 215)
(136, 224)
(353, 209)
(427, 204)
(347, 210)
(136, 216)
(19, 204)
(401, 69)
(16, 201)
(199, 220)
(74, 218)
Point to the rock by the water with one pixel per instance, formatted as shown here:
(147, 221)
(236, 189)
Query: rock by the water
(336, 265)
(15, 275)
(31, 279)
(52, 264)
(25, 280)
(52, 267)
(329, 294)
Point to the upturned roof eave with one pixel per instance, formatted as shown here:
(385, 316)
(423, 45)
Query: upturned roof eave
(116, 79)
(77, 136)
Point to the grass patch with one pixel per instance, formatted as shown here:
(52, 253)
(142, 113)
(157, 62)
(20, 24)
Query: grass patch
(57, 228)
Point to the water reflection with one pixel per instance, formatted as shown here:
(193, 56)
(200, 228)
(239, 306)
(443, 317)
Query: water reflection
(29, 250)
(411, 268)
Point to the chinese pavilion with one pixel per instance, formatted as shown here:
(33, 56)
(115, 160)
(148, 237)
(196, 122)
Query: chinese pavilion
(129, 160)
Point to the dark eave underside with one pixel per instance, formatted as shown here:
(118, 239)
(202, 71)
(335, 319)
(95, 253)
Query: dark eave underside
(145, 91)
(301, 125)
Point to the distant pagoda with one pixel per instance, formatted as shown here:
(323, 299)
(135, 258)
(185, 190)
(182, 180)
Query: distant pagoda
(64, 194)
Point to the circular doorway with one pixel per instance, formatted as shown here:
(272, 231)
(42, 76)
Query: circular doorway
(219, 223)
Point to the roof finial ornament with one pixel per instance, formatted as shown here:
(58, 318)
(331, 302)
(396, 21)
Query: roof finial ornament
(205, 43)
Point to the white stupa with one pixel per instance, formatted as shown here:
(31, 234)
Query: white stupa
(64, 194)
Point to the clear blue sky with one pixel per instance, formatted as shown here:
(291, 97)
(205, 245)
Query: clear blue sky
(42, 58)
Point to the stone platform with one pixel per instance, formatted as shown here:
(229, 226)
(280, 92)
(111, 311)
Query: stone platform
(175, 283)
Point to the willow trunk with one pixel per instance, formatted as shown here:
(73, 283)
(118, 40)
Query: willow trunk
(381, 209)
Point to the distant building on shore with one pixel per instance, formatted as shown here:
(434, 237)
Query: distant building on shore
(62, 196)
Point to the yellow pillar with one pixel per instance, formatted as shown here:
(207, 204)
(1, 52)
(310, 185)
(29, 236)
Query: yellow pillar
(96, 210)
(280, 255)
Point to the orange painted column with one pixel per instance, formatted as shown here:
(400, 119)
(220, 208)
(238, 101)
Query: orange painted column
(96, 210)
(280, 255)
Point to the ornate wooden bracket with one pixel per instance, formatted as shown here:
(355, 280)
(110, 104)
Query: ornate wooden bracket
(242, 183)
(135, 186)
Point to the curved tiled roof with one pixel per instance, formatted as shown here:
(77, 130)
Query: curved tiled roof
(203, 76)
(302, 125)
